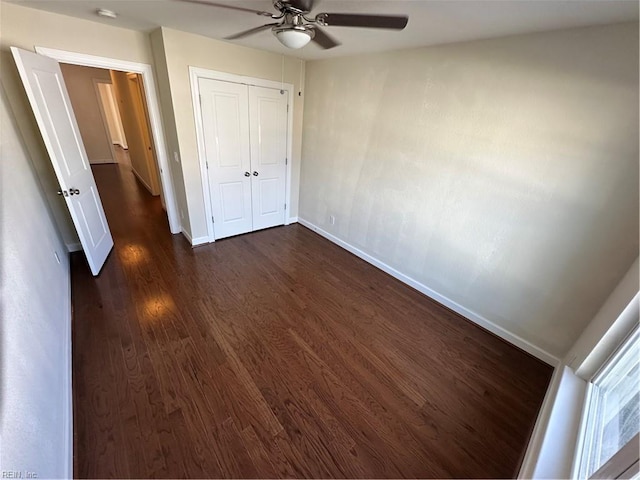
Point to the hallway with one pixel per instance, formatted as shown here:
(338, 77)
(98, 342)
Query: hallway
(279, 354)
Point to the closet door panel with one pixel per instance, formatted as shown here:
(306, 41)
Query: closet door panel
(225, 121)
(268, 133)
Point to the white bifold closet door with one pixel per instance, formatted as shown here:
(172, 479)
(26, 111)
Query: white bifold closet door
(245, 140)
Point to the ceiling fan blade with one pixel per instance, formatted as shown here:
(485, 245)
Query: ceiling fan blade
(396, 22)
(251, 31)
(323, 39)
(303, 5)
(231, 7)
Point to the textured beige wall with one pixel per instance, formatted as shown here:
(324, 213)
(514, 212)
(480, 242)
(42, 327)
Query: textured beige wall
(502, 174)
(84, 99)
(170, 132)
(35, 307)
(182, 50)
(26, 28)
(35, 315)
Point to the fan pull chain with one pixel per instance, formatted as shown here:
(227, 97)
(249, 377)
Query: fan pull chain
(282, 77)
(301, 78)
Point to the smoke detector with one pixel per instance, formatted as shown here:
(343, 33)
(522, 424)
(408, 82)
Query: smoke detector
(103, 12)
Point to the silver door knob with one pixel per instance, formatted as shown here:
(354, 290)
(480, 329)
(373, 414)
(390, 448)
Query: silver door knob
(74, 191)
(247, 174)
(255, 174)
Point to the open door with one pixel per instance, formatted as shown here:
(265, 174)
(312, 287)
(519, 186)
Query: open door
(47, 93)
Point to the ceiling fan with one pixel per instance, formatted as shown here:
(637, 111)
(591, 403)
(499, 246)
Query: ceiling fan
(295, 28)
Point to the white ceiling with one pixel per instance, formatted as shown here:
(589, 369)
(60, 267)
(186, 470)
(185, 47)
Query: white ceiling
(431, 22)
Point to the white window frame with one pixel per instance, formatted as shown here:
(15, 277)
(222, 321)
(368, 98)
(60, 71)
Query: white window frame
(624, 463)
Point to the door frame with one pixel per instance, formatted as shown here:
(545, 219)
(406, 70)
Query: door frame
(153, 106)
(196, 73)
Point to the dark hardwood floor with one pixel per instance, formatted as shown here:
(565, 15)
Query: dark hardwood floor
(278, 354)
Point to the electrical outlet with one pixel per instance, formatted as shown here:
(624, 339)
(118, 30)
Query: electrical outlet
(332, 220)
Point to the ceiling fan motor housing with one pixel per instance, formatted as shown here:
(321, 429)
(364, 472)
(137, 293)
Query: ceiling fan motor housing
(294, 29)
(298, 7)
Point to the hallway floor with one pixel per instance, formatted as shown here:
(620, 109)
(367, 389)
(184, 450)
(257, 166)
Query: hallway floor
(279, 354)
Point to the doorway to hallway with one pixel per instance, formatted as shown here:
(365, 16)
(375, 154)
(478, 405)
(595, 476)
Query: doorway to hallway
(146, 80)
(113, 120)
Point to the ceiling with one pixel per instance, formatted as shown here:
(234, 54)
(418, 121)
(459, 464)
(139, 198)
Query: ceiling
(431, 22)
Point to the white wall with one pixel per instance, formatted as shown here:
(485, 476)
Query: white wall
(174, 52)
(170, 131)
(84, 99)
(610, 326)
(501, 174)
(35, 320)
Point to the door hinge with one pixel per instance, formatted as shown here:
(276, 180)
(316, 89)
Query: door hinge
(286, 161)
(285, 206)
(206, 164)
(213, 220)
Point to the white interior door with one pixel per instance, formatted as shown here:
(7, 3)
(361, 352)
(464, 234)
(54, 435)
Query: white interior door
(43, 82)
(268, 127)
(225, 122)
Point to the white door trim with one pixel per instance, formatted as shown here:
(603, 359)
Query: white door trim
(154, 114)
(196, 73)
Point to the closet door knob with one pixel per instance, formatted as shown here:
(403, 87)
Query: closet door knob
(255, 174)
(247, 174)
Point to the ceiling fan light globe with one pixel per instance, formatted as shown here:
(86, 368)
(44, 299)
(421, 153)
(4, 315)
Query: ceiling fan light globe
(293, 38)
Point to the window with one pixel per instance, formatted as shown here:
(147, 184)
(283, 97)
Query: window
(613, 416)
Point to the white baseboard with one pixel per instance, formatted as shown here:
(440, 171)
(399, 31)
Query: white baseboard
(142, 181)
(540, 428)
(199, 241)
(195, 241)
(291, 220)
(447, 302)
(187, 235)
(551, 452)
(74, 247)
